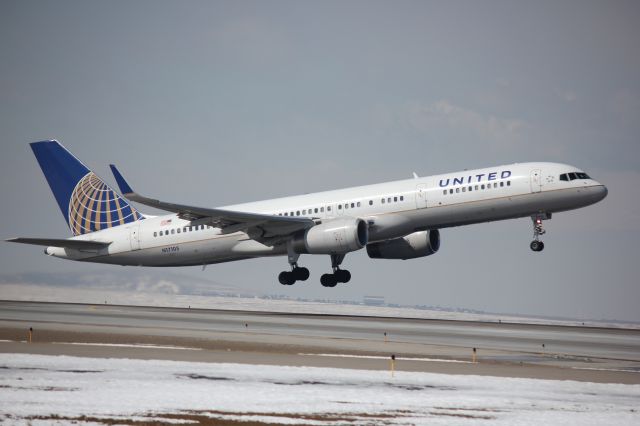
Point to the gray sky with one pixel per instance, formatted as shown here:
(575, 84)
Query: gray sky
(214, 103)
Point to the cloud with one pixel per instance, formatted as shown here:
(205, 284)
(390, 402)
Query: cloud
(444, 116)
(424, 117)
(252, 39)
(567, 95)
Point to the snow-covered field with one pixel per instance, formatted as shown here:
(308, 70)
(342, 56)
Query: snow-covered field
(36, 389)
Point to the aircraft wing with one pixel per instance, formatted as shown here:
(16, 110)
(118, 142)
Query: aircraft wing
(61, 242)
(261, 227)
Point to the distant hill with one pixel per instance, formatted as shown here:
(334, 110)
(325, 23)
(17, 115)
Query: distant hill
(148, 281)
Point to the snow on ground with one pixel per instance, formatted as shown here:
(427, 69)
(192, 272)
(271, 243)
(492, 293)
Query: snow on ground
(33, 386)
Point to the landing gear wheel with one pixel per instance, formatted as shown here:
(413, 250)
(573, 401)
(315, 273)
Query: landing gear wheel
(300, 274)
(536, 245)
(328, 280)
(343, 276)
(286, 278)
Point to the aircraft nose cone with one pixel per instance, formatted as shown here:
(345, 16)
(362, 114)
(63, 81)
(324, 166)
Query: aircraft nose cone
(601, 191)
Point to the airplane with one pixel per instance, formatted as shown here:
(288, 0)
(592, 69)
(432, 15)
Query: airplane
(392, 220)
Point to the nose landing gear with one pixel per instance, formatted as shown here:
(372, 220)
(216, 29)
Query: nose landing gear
(538, 230)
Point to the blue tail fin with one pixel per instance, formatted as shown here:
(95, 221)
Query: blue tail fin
(86, 202)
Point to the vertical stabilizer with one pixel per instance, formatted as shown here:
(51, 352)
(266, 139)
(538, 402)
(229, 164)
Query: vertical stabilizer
(87, 203)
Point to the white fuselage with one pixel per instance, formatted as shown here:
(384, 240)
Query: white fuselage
(392, 210)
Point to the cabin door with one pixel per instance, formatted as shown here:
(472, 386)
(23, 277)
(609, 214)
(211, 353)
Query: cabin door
(421, 196)
(134, 237)
(536, 180)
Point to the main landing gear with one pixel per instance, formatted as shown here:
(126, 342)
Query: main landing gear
(339, 275)
(298, 273)
(538, 230)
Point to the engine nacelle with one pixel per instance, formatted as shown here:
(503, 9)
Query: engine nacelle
(335, 236)
(418, 244)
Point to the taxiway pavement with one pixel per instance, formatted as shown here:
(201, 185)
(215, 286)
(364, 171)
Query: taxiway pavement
(502, 349)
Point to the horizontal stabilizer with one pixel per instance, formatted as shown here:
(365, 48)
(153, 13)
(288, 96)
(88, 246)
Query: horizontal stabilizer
(61, 242)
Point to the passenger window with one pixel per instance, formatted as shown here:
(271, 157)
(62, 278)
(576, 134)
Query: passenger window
(444, 192)
(328, 208)
(402, 198)
(564, 177)
(155, 234)
(173, 231)
(339, 206)
(450, 191)
(482, 186)
(476, 187)
(464, 189)
(358, 204)
(178, 230)
(457, 190)
(389, 200)
(353, 205)
(322, 209)
(304, 212)
(298, 213)
(508, 183)
(316, 210)
(501, 184)
(495, 184)
(470, 188)
(370, 202)
(382, 201)
(395, 199)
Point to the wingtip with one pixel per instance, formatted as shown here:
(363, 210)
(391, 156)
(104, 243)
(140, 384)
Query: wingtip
(125, 188)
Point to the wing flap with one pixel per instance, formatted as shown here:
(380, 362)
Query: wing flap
(259, 226)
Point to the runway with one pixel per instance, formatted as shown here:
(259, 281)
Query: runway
(502, 349)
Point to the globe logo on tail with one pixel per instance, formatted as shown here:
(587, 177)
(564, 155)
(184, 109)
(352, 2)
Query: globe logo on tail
(94, 206)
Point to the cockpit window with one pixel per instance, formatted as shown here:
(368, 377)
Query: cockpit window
(573, 176)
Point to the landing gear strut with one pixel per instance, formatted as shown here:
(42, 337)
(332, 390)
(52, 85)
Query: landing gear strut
(538, 230)
(297, 273)
(339, 275)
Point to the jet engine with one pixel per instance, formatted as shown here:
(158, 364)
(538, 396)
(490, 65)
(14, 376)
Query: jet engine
(418, 244)
(335, 236)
